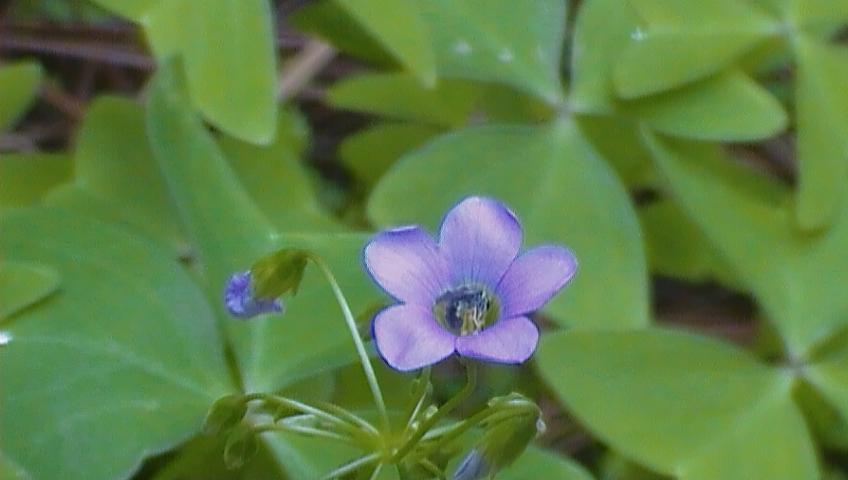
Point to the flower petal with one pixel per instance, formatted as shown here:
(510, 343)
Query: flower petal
(407, 264)
(408, 337)
(512, 340)
(479, 238)
(535, 277)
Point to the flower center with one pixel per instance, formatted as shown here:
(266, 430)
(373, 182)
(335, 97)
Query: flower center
(466, 310)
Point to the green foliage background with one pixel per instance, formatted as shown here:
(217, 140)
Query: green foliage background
(113, 253)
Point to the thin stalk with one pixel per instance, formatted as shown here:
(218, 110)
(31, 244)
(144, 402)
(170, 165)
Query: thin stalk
(353, 466)
(315, 432)
(352, 429)
(449, 406)
(357, 340)
(376, 473)
(351, 417)
(421, 393)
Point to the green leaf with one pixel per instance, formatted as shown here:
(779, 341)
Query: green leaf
(370, 153)
(230, 232)
(116, 177)
(749, 219)
(682, 404)
(684, 40)
(577, 201)
(401, 97)
(275, 178)
(26, 177)
(131, 9)
(19, 83)
(231, 82)
(403, 33)
(23, 285)
(822, 126)
(10, 470)
(709, 110)
(515, 42)
(619, 141)
(601, 31)
(677, 248)
(328, 20)
(538, 463)
(124, 362)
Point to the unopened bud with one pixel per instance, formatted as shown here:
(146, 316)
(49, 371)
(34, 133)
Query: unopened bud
(224, 414)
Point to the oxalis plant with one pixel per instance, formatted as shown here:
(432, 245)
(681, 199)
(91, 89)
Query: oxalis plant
(468, 294)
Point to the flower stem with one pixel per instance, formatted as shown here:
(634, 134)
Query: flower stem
(449, 406)
(357, 340)
(353, 466)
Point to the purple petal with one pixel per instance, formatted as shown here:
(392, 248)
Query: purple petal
(512, 340)
(406, 262)
(408, 337)
(479, 237)
(535, 277)
(240, 302)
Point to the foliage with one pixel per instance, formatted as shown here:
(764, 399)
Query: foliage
(114, 342)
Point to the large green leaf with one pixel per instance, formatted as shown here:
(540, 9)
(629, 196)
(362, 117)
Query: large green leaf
(515, 42)
(682, 404)
(538, 463)
(132, 9)
(275, 178)
(403, 33)
(601, 31)
(116, 177)
(709, 110)
(401, 97)
(370, 153)
(822, 125)
(328, 20)
(19, 83)
(677, 248)
(749, 218)
(23, 285)
(121, 363)
(683, 40)
(229, 57)
(229, 232)
(26, 177)
(562, 191)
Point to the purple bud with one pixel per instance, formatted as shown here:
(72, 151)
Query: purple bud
(473, 467)
(241, 302)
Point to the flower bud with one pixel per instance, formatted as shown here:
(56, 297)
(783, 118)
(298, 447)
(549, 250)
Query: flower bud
(504, 439)
(241, 446)
(241, 300)
(279, 273)
(224, 414)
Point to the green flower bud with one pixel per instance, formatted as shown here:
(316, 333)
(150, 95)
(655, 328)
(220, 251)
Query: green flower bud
(241, 446)
(224, 414)
(279, 273)
(506, 436)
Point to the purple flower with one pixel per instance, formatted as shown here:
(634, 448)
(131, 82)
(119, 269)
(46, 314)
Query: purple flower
(241, 302)
(470, 293)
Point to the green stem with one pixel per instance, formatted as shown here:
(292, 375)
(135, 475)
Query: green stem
(314, 432)
(357, 340)
(353, 466)
(366, 436)
(449, 406)
(376, 473)
(420, 395)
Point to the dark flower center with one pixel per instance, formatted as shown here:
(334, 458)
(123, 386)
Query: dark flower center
(466, 310)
